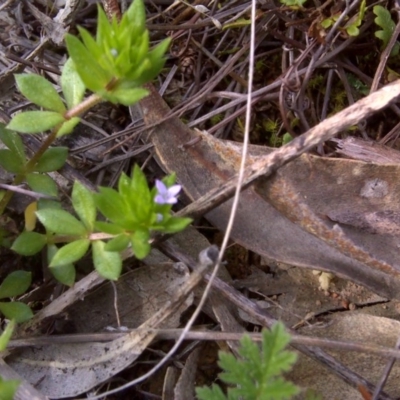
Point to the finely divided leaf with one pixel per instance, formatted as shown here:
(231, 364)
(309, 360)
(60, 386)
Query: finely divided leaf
(257, 374)
(384, 20)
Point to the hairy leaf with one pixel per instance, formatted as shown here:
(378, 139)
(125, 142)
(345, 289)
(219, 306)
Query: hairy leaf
(40, 91)
(61, 222)
(72, 86)
(84, 206)
(29, 243)
(107, 263)
(52, 159)
(35, 121)
(70, 253)
(13, 141)
(42, 184)
(9, 162)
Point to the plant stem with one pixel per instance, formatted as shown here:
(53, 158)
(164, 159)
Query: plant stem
(86, 104)
(30, 165)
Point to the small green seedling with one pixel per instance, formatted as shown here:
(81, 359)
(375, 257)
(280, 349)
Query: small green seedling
(257, 375)
(385, 22)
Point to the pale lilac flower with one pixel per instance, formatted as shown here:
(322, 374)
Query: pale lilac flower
(166, 195)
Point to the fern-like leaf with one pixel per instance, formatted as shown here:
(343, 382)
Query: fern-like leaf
(257, 374)
(384, 20)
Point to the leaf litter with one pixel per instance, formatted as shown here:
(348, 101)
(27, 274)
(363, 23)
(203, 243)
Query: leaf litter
(306, 91)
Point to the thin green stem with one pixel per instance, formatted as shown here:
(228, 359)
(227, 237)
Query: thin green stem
(30, 165)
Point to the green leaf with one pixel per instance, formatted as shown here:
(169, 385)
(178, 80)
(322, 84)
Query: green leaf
(47, 203)
(111, 205)
(107, 263)
(119, 243)
(13, 141)
(68, 126)
(286, 138)
(11, 163)
(61, 222)
(72, 86)
(40, 91)
(213, 393)
(126, 97)
(5, 338)
(35, 121)
(257, 374)
(8, 388)
(42, 184)
(64, 273)
(169, 180)
(106, 227)
(384, 20)
(92, 75)
(52, 159)
(139, 197)
(29, 243)
(16, 310)
(93, 48)
(15, 284)
(140, 244)
(136, 14)
(326, 23)
(174, 225)
(352, 30)
(84, 206)
(70, 253)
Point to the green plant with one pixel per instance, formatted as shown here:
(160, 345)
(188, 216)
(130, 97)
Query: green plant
(257, 374)
(15, 284)
(293, 3)
(352, 24)
(359, 86)
(113, 65)
(8, 388)
(384, 20)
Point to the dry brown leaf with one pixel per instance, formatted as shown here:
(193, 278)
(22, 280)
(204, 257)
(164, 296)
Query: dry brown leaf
(140, 294)
(356, 327)
(322, 184)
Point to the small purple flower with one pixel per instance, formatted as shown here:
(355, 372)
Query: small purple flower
(166, 195)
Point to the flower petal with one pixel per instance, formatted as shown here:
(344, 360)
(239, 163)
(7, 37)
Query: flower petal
(160, 199)
(161, 188)
(171, 200)
(174, 190)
